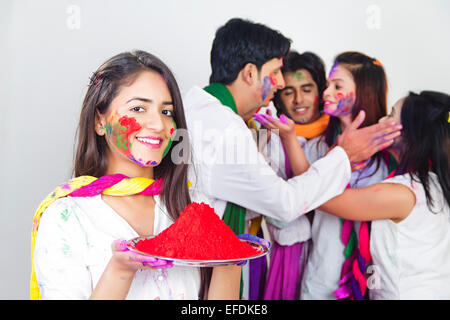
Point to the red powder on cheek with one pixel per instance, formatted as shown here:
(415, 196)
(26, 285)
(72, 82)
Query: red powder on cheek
(273, 80)
(120, 131)
(130, 123)
(198, 234)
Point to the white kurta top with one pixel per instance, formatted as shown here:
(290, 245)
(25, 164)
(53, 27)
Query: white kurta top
(73, 247)
(412, 258)
(298, 230)
(228, 166)
(323, 269)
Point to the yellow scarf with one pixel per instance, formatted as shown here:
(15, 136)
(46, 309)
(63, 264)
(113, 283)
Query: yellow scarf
(125, 187)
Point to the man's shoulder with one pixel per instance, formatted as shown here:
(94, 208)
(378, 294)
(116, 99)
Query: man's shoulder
(195, 96)
(201, 105)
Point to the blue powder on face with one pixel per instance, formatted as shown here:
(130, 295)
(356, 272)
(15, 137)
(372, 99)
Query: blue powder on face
(266, 87)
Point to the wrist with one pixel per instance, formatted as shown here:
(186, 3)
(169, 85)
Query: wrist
(119, 270)
(288, 137)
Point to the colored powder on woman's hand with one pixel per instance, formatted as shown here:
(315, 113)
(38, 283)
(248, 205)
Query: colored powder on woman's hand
(198, 234)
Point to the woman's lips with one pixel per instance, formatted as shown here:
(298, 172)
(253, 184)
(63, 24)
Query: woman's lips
(151, 142)
(327, 103)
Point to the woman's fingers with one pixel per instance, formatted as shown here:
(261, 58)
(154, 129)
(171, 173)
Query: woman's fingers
(119, 245)
(146, 262)
(358, 120)
(133, 260)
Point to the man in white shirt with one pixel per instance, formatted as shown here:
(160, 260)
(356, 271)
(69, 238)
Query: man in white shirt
(246, 59)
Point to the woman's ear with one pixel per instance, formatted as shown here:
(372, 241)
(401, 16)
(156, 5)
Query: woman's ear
(100, 123)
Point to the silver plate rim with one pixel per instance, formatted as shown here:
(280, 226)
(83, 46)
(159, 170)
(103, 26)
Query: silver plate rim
(199, 263)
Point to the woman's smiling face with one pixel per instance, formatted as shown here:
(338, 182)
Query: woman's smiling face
(139, 123)
(339, 96)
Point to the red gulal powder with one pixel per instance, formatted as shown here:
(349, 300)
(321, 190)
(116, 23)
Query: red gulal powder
(198, 234)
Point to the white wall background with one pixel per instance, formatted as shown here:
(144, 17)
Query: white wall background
(48, 50)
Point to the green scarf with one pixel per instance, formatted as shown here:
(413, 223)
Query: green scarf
(234, 215)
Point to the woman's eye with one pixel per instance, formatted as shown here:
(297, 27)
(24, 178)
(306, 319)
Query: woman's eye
(338, 87)
(168, 113)
(138, 109)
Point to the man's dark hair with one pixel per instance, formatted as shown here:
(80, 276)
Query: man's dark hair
(310, 62)
(239, 42)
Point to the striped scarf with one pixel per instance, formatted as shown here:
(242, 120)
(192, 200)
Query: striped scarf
(353, 278)
(87, 186)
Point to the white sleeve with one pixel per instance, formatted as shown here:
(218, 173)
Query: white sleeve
(59, 255)
(253, 184)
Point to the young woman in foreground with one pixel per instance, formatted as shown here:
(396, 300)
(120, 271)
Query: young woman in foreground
(126, 186)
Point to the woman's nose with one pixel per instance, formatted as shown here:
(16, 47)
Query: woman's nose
(326, 93)
(154, 121)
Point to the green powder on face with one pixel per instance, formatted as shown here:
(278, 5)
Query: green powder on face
(122, 143)
(298, 76)
(172, 132)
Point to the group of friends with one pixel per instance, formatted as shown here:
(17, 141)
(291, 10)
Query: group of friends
(356, 201)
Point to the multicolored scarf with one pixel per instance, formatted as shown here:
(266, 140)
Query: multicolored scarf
(87, 186)
(313, 129)
(353, 278)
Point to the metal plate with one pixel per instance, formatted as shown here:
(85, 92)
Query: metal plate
(200, 263)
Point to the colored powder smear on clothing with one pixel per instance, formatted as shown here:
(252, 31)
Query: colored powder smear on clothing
(198, 234)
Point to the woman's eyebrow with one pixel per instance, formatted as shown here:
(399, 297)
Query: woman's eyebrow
(140, 99)
(147, 100)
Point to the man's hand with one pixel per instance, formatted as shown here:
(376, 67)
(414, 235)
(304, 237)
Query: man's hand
(361, 144)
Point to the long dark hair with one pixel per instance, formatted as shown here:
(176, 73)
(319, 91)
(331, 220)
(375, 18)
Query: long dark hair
(371, 94)
(313, 64)
(426, 140)
(91, 153)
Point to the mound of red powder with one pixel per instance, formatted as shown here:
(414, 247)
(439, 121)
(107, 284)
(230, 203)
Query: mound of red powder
(198, 234)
